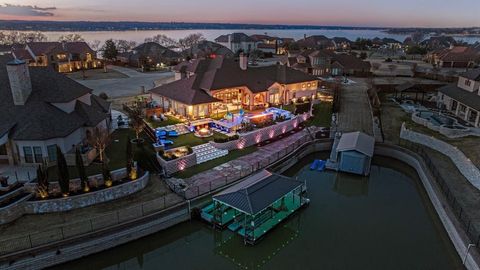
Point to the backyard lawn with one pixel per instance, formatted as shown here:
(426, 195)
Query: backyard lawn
(214, 163)
(116, 153)
(170, 121)
(322, 115)
(190, 139)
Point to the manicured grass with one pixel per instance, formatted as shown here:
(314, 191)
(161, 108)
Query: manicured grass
(190, 139)
(322, 115)
(289, 107)
(116, 153)
(215, 162)
(170, 121)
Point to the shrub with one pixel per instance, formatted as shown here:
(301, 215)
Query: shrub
(63, 174)
(103, 95)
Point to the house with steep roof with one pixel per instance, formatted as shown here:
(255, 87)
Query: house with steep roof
(316, 42)
(463, 98)
(150, 55)
(43, 109)
(207, 86)
(237, 42)
(455, 57)
(207, 49)
(328, 63)
(61, 56)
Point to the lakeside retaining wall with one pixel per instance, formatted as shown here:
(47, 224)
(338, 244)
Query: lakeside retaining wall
(464, 165)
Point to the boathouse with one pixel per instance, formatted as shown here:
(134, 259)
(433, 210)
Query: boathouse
(355, 152)
(257, 204)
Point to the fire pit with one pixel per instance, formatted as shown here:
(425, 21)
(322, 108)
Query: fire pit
(203, 133)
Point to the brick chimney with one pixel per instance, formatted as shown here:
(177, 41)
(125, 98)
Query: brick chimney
(243, 61)
(20, 83)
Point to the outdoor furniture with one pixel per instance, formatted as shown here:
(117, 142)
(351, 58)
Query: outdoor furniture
(172, 133)
(166, 142)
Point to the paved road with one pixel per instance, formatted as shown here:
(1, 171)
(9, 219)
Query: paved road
(355, 113)
(133, 85)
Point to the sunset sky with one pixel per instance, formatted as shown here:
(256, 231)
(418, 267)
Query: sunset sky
(421, 13)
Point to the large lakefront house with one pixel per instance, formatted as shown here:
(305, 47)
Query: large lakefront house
(463, 98)
(62, 56)
(328, 63)
(43, 109)
(207, 86)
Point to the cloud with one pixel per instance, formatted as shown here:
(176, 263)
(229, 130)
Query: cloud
(19, 10)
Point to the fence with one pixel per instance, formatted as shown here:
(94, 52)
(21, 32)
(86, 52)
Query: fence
(462, 216)
(89, 225)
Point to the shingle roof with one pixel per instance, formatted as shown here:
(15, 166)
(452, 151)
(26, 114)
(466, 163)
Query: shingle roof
(471, 99)
(39, 119)
(222, 73)
(257, 192)
(235, 38)
(351, 62)
(39, 48)
(185, 91)
(357, 141)
(206, 48)
(473, 74)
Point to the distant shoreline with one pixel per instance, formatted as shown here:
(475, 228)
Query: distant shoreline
(87, 26)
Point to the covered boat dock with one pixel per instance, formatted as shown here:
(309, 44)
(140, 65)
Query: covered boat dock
(256, 205)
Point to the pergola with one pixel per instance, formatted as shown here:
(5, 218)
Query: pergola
(409, 88)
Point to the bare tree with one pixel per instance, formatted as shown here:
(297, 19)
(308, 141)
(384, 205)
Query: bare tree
(125, 45)
(190, 40)
(163, 40)
(99, 139)
(136, 116)
(15, 37)
(95, 45)
(71, 38)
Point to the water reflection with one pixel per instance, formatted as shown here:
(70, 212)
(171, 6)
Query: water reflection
(352, 222)
(351, 185)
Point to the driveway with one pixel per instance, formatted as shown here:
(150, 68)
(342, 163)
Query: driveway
(355, 113)
(134, 84)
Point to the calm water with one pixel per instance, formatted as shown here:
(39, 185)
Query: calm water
(380, 222)
(139, 36)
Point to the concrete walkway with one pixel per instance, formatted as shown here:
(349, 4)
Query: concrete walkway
(133, 85)
(355, 113)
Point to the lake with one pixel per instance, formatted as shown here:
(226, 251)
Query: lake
(384, 221)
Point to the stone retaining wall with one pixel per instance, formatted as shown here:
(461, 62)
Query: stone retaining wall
(447, 132)
(178, 164)
(86, 199)
(13, 211)
(263, 134)
(75, 184)
(464, 165)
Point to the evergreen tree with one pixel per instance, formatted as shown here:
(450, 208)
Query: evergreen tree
(81, 169)
(129, 156)
(110, 50)
(63, 174)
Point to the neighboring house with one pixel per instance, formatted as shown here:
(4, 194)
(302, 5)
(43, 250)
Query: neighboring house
(342, 44)
(328, 63)
(318, 42)
(150, 55)
(207, 49)
(207, 86)
(43, 109)
(463, 99)
(439, 42)
(269, 44)
(237, 42)
(61, 56)
(386, 43)
(455, 57)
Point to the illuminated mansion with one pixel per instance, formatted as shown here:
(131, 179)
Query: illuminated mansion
(207, 86)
